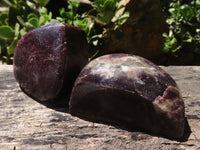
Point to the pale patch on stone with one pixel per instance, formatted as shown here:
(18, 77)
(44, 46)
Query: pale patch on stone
(168, 104)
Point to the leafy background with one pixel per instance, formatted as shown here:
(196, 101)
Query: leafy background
(181, 44)
(183, 40)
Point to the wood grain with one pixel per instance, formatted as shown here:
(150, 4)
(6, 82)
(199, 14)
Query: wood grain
(27, 124)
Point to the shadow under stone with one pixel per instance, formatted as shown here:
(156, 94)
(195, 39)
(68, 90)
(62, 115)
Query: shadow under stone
(184, 138)
(140, 134)
(187, 132)
(60, 103)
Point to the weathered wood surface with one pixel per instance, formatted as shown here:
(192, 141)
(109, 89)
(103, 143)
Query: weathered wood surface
(27, 124)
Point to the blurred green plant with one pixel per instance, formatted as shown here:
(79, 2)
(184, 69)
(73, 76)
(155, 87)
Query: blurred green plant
(25, 15)
(22, 16)
(183, 39)
(97, 22)
(183, 17)
(105, 10)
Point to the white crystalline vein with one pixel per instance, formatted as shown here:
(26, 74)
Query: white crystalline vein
(108, 70)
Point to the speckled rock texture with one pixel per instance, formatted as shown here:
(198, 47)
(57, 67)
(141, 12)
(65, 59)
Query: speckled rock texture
(131, 92)
(48, 59)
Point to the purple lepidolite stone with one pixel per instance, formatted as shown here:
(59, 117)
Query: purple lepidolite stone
(49, 58)
(129, 91)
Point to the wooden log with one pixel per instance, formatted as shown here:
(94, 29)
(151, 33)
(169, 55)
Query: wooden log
(27, 124)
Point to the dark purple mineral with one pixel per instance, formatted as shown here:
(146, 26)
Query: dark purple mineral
(131, 92)
(49, 58)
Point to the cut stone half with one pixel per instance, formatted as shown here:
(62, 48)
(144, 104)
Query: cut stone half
(131, 92)
(49, 58)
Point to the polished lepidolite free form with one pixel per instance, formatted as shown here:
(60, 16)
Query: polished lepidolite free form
(49, 58)
(129, 91)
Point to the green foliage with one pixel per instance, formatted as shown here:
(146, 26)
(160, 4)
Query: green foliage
(42, 2)
(22, 16)
(105, 10)
(183, 39)
(6, 32)
(25, 15)
(71, 14)
(97, 22)
(183, 16)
